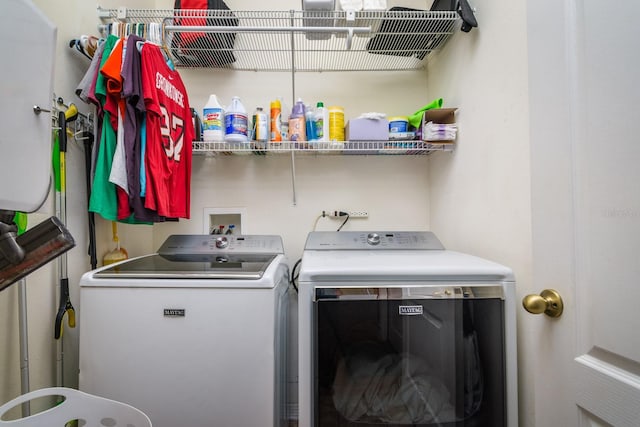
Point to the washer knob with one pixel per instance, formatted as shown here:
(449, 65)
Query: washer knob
(373, 239)
(222, 242)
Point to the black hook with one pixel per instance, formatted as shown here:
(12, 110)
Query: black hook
(468, 18)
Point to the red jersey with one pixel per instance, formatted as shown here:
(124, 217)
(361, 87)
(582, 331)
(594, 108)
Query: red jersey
(169, 136)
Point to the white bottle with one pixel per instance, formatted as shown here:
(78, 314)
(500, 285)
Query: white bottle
(260, 125)
(322, 122)
(236, 122)
(213, 121)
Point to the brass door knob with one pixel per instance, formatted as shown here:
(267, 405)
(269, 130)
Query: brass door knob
(548, 302)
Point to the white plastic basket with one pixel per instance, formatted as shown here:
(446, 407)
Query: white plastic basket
(88, 409)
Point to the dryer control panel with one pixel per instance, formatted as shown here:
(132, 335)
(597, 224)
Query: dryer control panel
(373, 240)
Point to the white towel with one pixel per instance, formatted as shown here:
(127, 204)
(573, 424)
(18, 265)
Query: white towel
(373, 116)
(351, 5)
(440, 132)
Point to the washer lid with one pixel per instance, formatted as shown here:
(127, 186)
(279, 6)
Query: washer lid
(191, 266)
(369, 266)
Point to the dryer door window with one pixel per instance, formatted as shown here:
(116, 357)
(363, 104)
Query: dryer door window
(402, 357)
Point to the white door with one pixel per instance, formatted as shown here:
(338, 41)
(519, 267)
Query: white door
(585, 138)
(26, 80)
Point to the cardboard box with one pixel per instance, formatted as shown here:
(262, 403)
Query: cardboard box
(367, 130)
(440, 116)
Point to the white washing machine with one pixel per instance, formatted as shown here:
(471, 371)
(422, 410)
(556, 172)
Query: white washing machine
(194, 335)
(395, 330)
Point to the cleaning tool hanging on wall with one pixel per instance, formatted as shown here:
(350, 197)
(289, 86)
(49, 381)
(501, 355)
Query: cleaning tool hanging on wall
(88, 138)
(64, 305)
(118, 253)
(60, 171)
(20, 220)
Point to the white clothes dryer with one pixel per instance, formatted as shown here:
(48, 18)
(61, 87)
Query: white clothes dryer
(194, 335)
(396, 330)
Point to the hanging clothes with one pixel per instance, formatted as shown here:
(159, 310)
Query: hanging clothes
(85, 91)
(142, 158)
(169, 136)
(103, 199)
(133, 128)
(114, 105)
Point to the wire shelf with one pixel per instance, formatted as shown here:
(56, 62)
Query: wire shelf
(297, 40)
(342, 148)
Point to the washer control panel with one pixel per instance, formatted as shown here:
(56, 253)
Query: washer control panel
(375, 240)
(222, 242)
(194, 244)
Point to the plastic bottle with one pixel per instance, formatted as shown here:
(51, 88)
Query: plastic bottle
(275, 126)
(236, 122)
(260, 125)
(336, 124)
(322, 122)
(297, 122)
(284, 119)
(197, 125)
(310, 124)
(213, 121)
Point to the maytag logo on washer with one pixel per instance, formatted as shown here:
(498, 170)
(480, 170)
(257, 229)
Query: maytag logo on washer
(174, 312)
(410, 310)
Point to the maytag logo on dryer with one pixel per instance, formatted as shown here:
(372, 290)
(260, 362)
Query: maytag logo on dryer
(174, 312)
(410, 310)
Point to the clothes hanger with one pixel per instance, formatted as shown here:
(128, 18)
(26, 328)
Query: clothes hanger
(165, 50)
(77, 44)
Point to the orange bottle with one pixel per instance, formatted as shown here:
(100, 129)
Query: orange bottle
(275, 127)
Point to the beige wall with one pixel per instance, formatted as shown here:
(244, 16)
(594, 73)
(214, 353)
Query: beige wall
(475, 199)
(480, 197)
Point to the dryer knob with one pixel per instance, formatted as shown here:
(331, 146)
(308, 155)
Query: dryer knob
(222, 242)
(373, 239)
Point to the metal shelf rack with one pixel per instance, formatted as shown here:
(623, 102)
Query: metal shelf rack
(315, 148)
(297, 41)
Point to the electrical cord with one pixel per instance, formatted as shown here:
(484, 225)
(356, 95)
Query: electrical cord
(294, 276)
(331, 214)
(315, 224)
(345, 220)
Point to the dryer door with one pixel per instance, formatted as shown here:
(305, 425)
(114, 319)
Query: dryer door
(428, 355)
